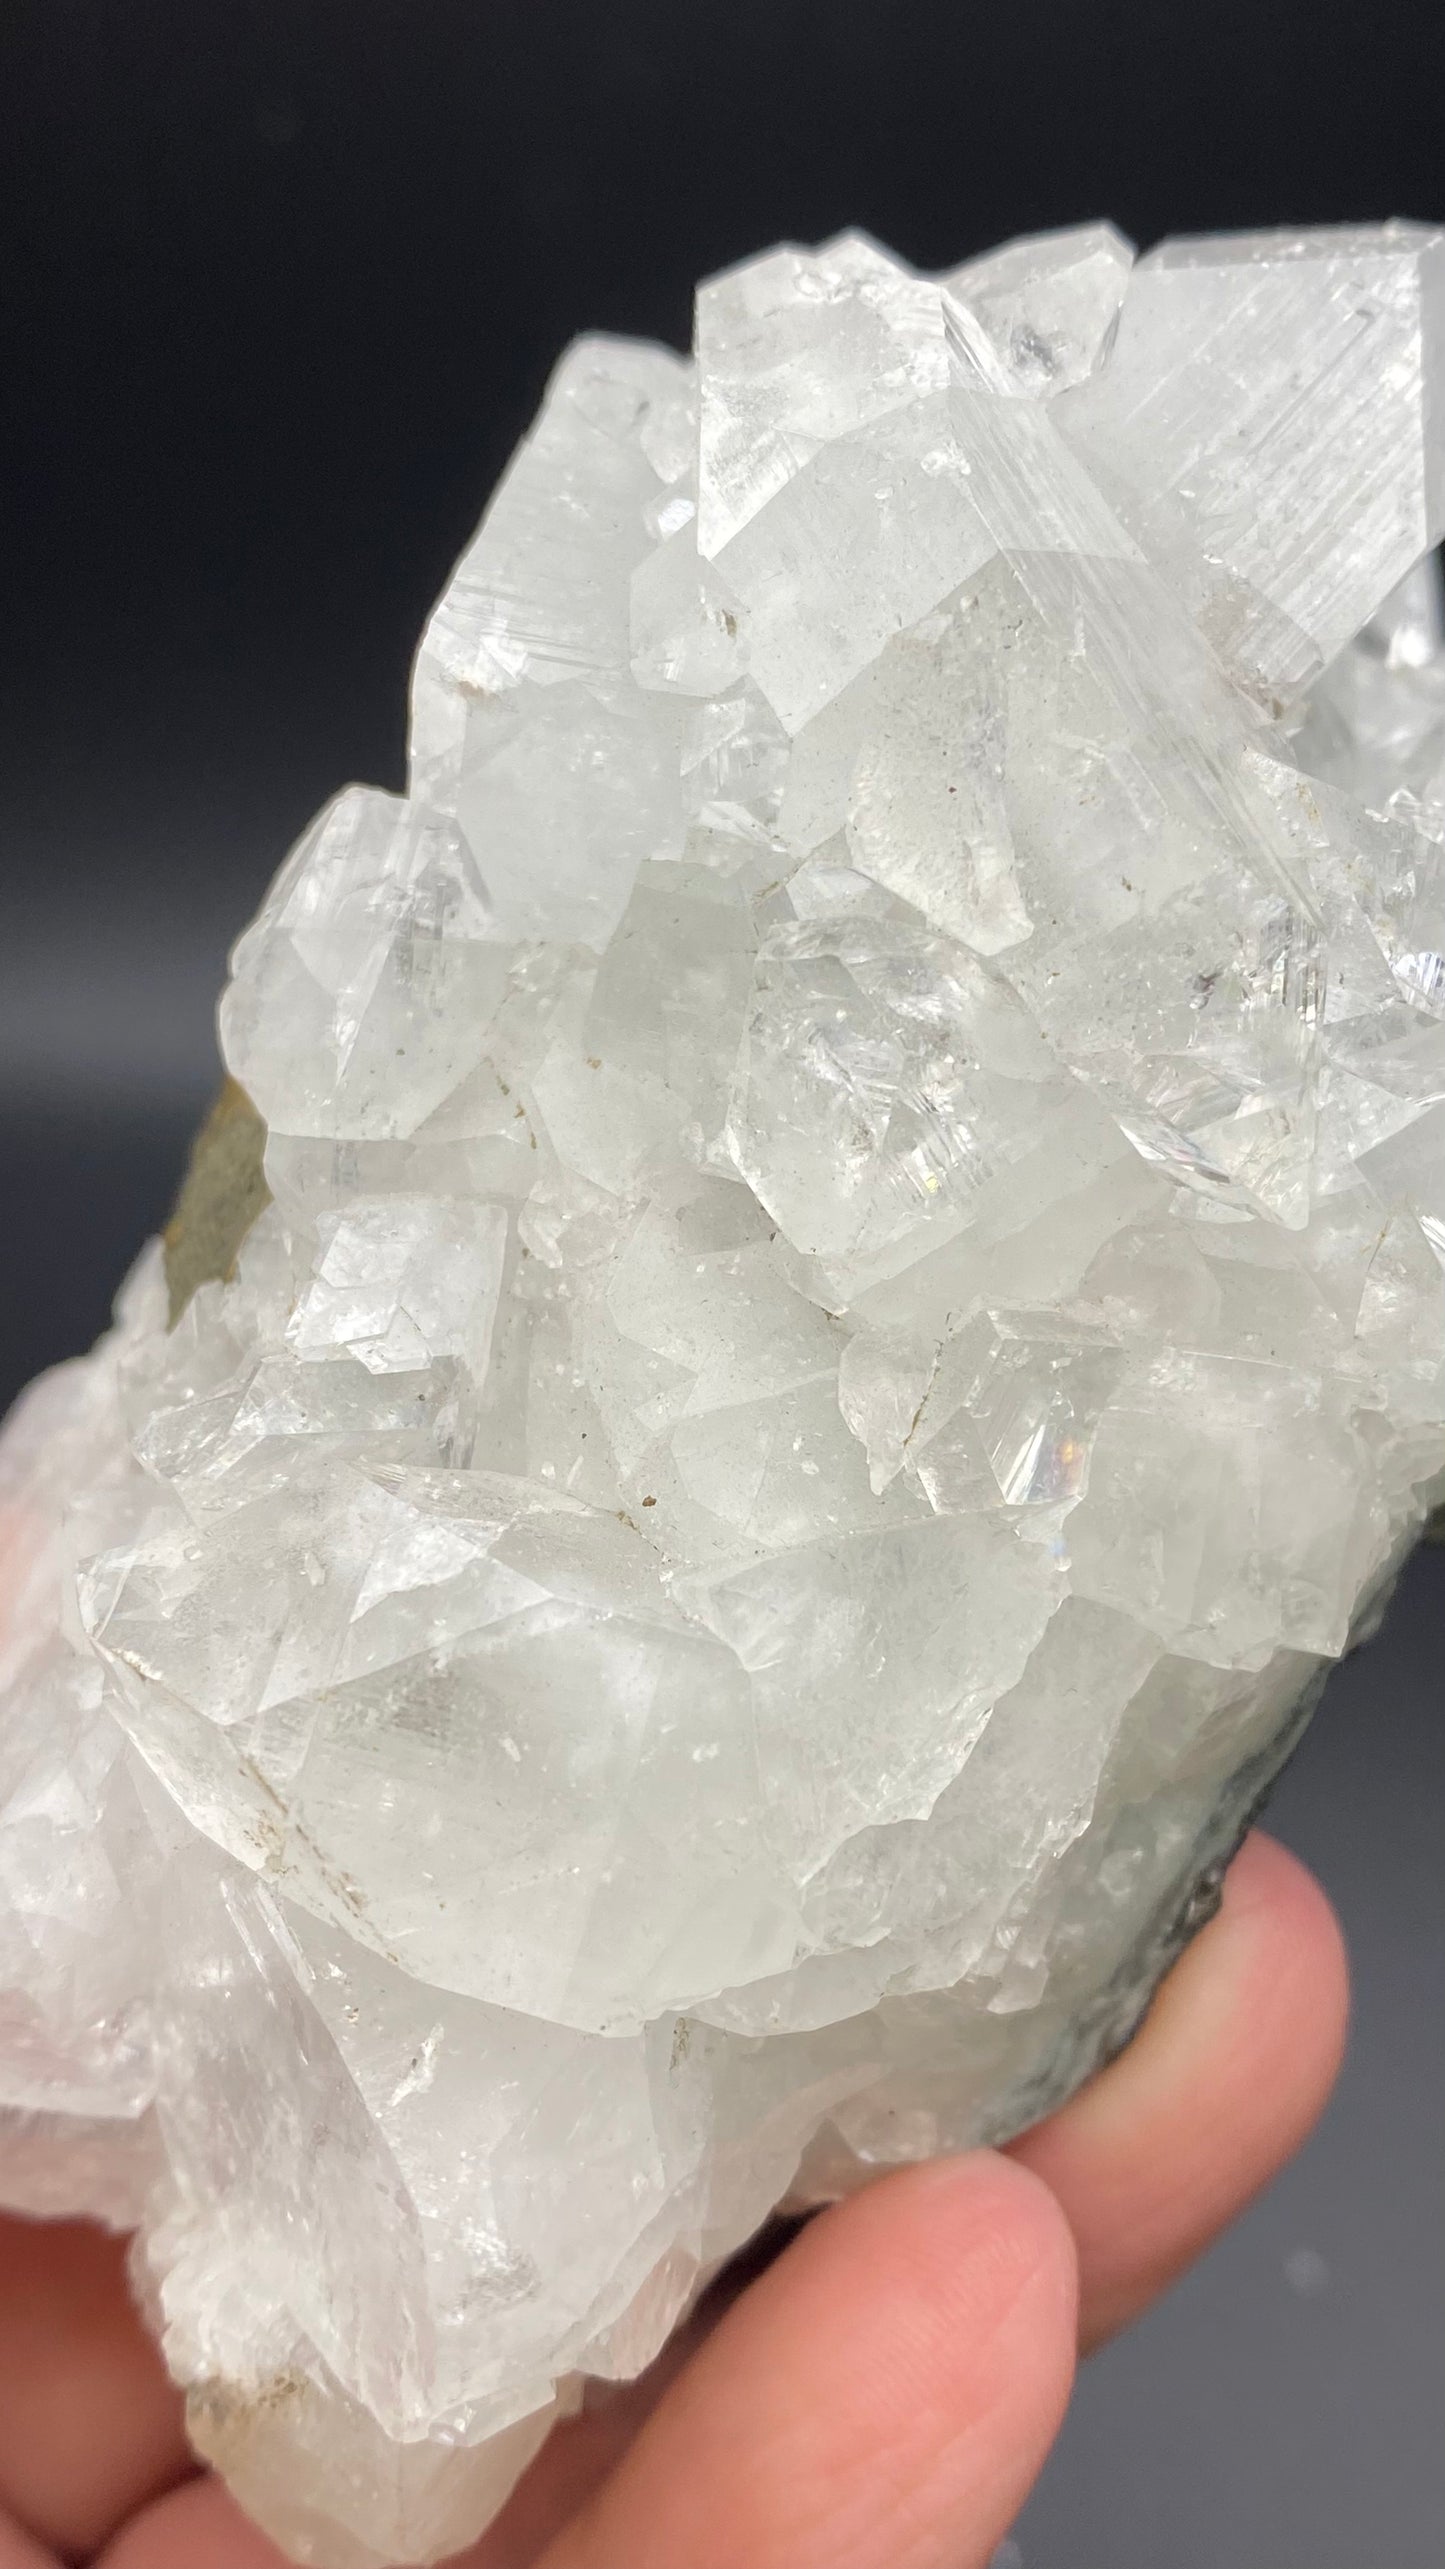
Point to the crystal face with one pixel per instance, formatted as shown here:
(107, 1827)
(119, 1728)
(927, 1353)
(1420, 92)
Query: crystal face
(666, 1601)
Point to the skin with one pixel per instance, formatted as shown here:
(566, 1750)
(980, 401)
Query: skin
(880, 2395)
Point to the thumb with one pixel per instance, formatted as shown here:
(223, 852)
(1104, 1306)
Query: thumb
(881, 2398)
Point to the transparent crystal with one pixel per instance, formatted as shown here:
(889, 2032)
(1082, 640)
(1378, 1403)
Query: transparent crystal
(1316, 359)
(843, 1312)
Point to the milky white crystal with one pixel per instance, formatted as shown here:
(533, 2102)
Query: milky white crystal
(850, 1311)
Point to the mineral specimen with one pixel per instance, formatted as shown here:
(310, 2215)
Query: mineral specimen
(843, 1312)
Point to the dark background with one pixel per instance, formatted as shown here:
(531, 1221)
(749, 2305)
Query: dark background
(282, 283)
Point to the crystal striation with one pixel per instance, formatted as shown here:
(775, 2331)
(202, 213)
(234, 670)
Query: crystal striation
(816, 1305)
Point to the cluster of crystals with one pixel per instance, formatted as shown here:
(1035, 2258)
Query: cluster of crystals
(850, 1309)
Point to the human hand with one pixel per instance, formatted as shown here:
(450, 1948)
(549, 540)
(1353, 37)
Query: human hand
(881, 2396)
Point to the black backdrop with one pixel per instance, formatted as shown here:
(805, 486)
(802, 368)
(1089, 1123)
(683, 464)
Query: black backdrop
(282, 280)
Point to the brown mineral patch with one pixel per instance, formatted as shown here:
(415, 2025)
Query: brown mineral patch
(221, 2416)
(222, 1192)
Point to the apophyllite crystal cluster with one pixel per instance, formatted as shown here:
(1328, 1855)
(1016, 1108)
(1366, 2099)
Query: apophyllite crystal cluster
(815, 1303)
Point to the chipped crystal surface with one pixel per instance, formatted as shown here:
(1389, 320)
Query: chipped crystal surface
(847, 1312)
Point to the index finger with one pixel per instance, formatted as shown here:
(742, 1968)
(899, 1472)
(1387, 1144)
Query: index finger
(1219, 2087)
